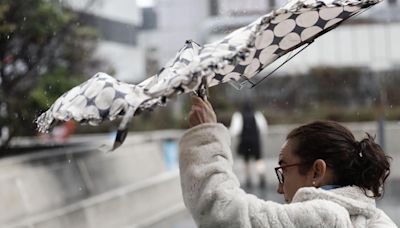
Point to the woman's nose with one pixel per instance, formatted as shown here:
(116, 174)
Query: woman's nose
(280, 188)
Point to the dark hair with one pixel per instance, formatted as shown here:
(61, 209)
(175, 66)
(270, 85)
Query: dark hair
(361, 163)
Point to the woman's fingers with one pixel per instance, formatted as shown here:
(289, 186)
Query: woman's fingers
(202, 112)
(198, 101)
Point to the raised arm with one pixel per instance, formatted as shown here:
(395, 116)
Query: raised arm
(212, 193)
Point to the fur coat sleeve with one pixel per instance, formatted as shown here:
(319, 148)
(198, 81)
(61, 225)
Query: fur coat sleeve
(212, 193)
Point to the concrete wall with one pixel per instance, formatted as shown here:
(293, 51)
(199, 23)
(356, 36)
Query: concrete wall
(86, 187)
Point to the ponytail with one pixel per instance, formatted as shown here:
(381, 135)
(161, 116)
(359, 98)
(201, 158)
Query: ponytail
(371, 167)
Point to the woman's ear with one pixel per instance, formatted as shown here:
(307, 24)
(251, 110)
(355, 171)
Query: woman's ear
(319, 171)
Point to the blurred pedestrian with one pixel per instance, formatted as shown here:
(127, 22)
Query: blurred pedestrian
(250, 128)
(328, 178)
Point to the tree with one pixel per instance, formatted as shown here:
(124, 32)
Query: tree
(43, 49)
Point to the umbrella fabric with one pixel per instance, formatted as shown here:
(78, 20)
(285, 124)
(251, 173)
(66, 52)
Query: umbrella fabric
(236, 58)
(104, 97)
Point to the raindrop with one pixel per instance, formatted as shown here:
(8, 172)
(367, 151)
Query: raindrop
(80, 188)
(69, 160)
(8, 37)
(24, 18)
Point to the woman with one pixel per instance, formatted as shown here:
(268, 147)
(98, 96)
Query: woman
(327, 177)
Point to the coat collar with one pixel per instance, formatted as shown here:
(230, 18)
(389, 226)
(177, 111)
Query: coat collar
(350, 197)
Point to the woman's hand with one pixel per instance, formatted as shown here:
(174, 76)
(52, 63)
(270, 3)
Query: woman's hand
(202, 112)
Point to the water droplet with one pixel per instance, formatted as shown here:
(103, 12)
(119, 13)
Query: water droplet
(8, 37)
(24, 18)
(69, 160)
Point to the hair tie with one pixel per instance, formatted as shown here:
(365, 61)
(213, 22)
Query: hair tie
(361, 146)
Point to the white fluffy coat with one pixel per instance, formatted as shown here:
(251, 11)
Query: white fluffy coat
(212, 193)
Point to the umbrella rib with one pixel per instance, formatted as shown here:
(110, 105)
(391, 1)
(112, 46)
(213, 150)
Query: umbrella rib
(278, 67)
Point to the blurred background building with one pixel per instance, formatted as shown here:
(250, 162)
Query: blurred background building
(137, 40)
(119, 24)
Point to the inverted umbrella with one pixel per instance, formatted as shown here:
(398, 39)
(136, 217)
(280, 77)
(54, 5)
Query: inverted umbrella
(238, 57)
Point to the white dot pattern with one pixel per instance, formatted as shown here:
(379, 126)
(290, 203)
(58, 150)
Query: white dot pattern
(281, 17)
(245, 52)
(284, 27)
(310, 32)
(332, 22)
(307, 19)
(330, 13)
(289, 41)
(265, 39)
(252, 68)
(268, 53)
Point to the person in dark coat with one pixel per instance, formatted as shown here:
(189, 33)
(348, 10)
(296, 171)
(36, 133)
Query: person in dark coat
(250, 127)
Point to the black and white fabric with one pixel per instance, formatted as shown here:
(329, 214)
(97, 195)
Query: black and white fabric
(237, 57)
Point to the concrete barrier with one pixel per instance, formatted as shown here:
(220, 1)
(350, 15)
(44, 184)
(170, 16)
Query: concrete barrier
(83, 187)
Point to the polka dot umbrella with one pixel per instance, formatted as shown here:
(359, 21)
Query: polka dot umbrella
(237, 58)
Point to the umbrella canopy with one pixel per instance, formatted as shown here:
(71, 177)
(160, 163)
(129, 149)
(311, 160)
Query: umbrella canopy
(238, 57)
